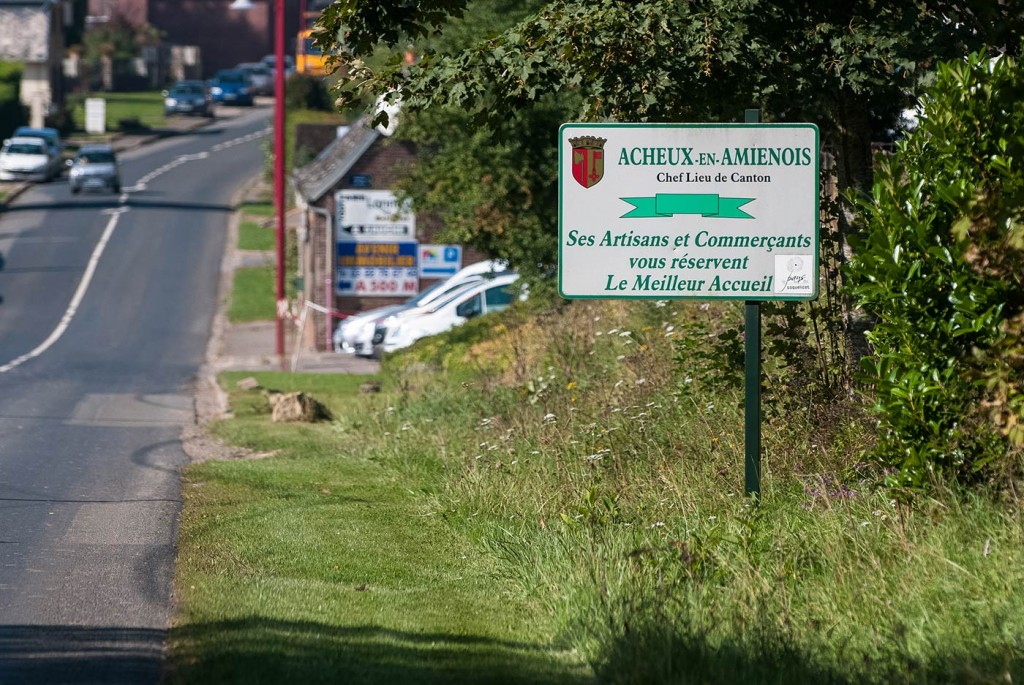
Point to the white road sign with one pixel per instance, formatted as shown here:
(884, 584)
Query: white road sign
(726, 211)
(95, 115)
(373, 215)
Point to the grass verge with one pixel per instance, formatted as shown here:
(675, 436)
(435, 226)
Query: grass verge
(596, 492)
(317, 566)
(252, 295)
(253, 235)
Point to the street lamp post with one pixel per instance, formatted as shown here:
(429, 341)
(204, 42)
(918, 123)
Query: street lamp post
(279, 123)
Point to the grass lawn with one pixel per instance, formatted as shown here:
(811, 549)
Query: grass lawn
(146, 107)
(317, 566)
(252, 295)
(253, 235)
(263, 210)
(254, 232)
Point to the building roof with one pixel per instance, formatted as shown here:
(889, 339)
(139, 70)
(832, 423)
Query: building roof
(317, 178)
(25, 30)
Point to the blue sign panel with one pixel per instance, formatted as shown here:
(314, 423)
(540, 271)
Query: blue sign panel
(440, 261)
(372, 269)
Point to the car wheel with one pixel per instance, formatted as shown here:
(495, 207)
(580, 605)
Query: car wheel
(115, 187)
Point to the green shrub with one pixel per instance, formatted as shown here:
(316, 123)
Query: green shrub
(304, 91)
(10, 72)
(940, 265)
(12, 112)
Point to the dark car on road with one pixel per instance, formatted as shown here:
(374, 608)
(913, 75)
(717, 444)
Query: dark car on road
(94, 166)
(231, 87)
(188, 97)
(260, 75)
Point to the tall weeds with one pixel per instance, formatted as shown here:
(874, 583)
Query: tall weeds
(578, 447)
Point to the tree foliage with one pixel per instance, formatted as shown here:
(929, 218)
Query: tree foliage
(941, 267)
(849, 67)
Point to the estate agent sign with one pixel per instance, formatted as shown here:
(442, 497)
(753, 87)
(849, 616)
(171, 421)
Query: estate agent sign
(726, 211)
(376, 249)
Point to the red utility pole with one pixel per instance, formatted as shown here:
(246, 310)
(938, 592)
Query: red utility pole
(279, 124)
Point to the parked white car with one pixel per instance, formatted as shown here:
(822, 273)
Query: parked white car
(28, 158)
(466, 302)
(354, 335)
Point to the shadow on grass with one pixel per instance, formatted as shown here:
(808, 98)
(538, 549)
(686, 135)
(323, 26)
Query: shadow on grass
(255, 650)
(74, 654)
(657, 657)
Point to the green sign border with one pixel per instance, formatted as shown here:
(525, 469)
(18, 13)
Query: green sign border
(749, 297)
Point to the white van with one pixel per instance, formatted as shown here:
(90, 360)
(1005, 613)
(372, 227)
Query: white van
(467, 302)
(354, 335)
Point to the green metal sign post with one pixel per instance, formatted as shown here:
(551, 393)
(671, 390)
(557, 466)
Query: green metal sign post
(752, 367)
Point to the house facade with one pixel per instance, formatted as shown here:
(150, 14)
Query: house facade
(359, 162)
(32, 33)
(224, 36)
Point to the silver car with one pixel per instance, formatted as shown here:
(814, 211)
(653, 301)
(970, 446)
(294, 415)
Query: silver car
(188, 97)
(261, 77)
(94, 166)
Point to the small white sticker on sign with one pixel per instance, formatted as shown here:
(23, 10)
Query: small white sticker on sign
(793, 273)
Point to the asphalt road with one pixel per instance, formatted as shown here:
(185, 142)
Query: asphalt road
(106, 309)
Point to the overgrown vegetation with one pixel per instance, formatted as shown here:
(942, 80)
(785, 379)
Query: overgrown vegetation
(555, 442)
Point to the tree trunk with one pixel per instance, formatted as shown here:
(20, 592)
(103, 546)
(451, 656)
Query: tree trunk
(854, 175)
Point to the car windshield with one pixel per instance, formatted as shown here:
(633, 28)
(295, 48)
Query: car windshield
(26, 149)
(186, 90)
(455, 294)
(96, 157)
(432, 290)
(231, 77)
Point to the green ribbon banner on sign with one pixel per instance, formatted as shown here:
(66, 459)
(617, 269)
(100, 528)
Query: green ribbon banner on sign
(712, 206)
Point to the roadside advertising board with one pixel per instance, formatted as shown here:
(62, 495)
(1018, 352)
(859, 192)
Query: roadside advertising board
(95, 115)
(376, 248)
(702, 211)
(373, 215)
(376, 269)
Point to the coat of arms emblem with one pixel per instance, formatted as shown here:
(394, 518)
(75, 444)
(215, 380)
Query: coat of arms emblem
(587, 159)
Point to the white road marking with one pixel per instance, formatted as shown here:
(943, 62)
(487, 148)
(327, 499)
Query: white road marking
(83, 286)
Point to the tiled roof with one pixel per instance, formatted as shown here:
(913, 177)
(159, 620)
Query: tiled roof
(317, 178)
(24, 31)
